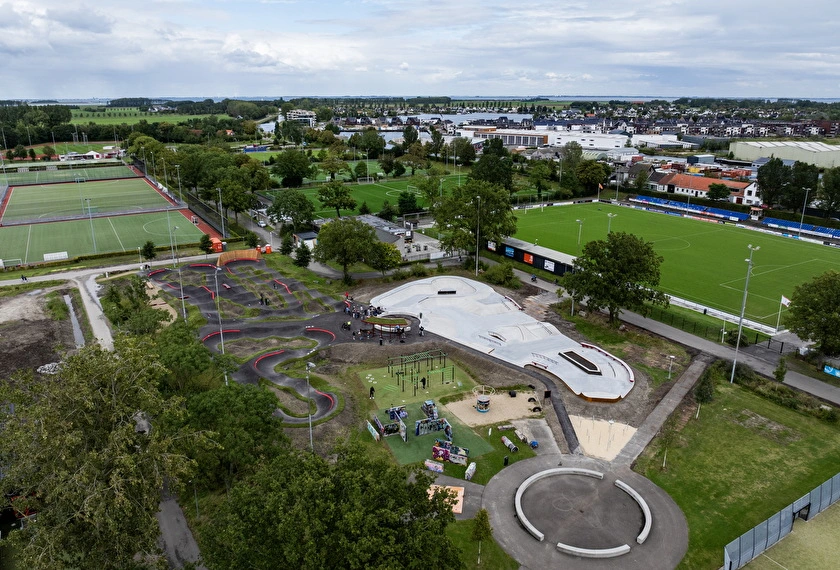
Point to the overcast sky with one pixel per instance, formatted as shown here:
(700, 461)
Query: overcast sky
(274, 48)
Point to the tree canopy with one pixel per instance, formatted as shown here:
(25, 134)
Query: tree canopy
(334, 194)
(829, 194)
(772, 177)
(292, 166)
(459, 212)
(494, 165)
(814, 312)
(105, 439)
(718, 191)
(291, 204)
(347, 241)
(357, 511)
(619, 272)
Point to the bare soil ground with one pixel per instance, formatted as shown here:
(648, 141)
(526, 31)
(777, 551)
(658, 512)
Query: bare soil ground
(29, 338)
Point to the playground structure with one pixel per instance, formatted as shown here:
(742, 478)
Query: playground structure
(419, 368)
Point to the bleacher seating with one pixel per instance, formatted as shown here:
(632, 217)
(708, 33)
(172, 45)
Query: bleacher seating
(694, 208)
(810, 229)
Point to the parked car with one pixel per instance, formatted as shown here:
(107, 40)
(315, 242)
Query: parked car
(262, 223)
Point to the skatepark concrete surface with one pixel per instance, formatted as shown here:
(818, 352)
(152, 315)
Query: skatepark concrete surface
(475, 315)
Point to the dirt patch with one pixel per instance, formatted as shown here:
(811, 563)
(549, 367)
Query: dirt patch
(157, 302)
(28, 338)
(764, 427)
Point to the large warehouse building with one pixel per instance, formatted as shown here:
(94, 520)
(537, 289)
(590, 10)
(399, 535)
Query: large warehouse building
(819, 154)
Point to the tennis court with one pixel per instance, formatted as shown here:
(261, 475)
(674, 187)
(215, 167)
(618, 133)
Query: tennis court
(57, 201)
(126, 233)
(65, 172)
(703, 262)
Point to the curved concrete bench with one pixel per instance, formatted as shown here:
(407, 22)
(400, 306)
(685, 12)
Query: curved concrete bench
(643, 505)
(541, 475)
(593, 552)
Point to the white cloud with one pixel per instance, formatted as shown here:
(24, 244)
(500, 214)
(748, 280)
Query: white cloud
(282, 47)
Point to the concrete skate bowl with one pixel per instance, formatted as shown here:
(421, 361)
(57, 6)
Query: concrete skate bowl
(258, 303)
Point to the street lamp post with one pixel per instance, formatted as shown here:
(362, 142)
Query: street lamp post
(477, 231)
(309, 366)
(90, 217)
(139, 257)
(802, 218)
(743, 308)
(670, 365)
(219, 313)
(580, 231)
(609, 222)
(172, 244)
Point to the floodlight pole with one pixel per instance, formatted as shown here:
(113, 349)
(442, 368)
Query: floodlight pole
(580, 231)
(477, 231)
(221, 214)
(309, 366)
(219, 313)
(609, 222)
(743, 308)
(802, 218)
(670, 366)
(139, 257)
(180, 193)
(90, 217)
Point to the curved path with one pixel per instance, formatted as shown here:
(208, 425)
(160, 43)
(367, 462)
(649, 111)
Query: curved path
(285, 316)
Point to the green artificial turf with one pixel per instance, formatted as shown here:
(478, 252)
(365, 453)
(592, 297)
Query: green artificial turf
(703, 262)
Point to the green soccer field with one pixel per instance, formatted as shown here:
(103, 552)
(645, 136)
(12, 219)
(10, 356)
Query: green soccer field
(61, 200)
(29, 243)
(68, 174)
(703, 262)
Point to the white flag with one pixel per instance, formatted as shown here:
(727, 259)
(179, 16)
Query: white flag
(785, 301)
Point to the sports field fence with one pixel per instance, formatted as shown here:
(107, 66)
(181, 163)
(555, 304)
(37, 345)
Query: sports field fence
(62, 173)
(709, 332)
(752, 543)
(206, 213)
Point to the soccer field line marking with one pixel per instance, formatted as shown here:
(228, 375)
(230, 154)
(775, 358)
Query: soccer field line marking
(115, 233)
(28, 237)
(764, 554)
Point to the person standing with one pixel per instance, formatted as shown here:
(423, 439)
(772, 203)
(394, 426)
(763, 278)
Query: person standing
(372, 392)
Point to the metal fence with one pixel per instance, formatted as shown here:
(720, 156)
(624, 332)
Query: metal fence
(742, 550)
(710, 332)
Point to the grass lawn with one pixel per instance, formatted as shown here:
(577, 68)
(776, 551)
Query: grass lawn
(703, 262)
(61, 200)
(492, 555)
(113, 234)
(811, 545)
(374, 194)
(740, 462)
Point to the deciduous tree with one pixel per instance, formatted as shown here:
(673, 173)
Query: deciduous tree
(88, 450)
(291, 204)
(718, 192)
(459, 212)
(384, 257)
(346, 241)
(335, 194)
(772, 177)
(829, 194)
(813, 312)
(358, 510)
(292, 166)
(619, 272)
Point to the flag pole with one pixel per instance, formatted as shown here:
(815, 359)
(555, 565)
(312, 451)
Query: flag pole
(779, 318)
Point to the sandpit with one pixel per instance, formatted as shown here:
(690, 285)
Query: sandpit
(601, 438)
(503, 408)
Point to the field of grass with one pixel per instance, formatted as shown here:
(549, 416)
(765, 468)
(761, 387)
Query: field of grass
(113, 234)
(740, 462)
(811, 545)
(130, 116)
(374, 194)
(703, 262)
(71, 199)
(67, 174)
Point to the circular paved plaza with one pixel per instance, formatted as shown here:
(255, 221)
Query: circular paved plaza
(584, 512)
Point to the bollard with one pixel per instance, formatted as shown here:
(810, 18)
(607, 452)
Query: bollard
(506, 461)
